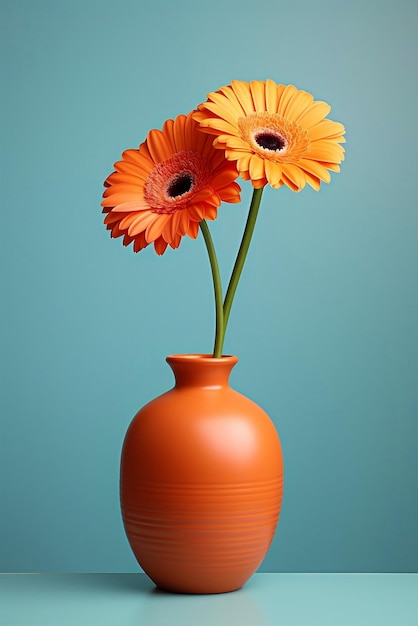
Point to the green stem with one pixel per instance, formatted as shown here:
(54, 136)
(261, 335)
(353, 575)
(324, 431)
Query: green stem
(217, 286)
(240, 260)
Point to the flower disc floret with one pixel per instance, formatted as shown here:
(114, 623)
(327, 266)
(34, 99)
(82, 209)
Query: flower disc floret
(173, 183)
(274, 138)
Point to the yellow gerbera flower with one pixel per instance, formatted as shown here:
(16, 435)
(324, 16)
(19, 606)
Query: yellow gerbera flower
(161, 191)
(276, 134)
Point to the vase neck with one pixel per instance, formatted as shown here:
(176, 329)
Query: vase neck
(201, 370)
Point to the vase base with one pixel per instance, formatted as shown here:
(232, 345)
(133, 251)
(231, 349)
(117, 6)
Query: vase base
(174, 589)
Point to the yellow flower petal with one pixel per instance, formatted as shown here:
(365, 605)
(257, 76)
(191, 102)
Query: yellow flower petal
(235, 155)
(226, 109)
(243, 162)
(258, 95)
(220, 125)
(316, 169)
(326, 129)
(289, 183)
(272, 96)
(286, 96)
(273, 173)
(243, 95)
(297, 104)
(326, 151)
(313, 181)
(295, 175)
(256, 167)
(314, 114)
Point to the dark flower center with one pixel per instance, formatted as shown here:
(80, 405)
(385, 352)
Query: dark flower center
(180, 185)
(270, 141)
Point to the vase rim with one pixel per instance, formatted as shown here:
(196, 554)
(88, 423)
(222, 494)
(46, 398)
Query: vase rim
(201, 358)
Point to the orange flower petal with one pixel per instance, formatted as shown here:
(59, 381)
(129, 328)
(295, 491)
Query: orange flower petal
(196, 213)
(127, 221)
(140, 157)
(139, 242)
(160, 246)
(184, 222)
(178, 134)
(174, 226)
(157, 146)
(126, 188)
(175, 242)
(161, 191)
(168, 133)
(258, 184)
(141, 223)
(229, 194)
(224, 178)
(126, 178)
(155, 227)
(138, 204)
(111, 197)
(130, 168)
(193, 229)
(210, 213)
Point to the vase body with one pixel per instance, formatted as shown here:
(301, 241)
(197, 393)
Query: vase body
(201, 481)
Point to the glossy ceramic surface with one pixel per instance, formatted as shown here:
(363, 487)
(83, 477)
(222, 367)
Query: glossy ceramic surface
(201, 481)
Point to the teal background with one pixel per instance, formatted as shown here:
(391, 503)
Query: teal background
(325, 318)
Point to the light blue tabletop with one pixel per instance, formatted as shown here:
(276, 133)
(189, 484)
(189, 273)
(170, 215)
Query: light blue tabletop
(266, 600)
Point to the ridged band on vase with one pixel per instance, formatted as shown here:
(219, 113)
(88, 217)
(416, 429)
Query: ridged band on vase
(197, 526)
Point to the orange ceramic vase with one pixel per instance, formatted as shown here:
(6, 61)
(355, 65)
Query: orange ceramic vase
(201, 481)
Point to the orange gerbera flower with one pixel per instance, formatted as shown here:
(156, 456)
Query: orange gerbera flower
(277, 134)
(161, 191)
